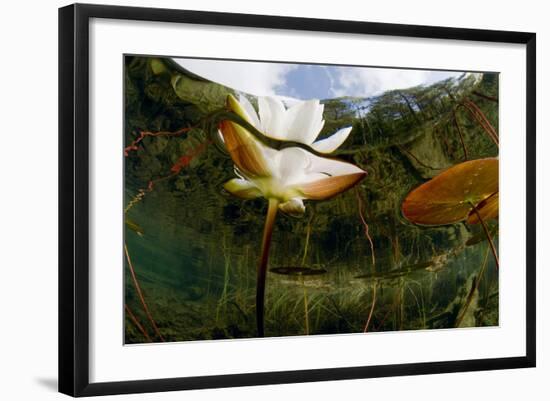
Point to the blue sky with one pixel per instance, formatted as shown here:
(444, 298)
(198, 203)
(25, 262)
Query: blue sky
(304, 81)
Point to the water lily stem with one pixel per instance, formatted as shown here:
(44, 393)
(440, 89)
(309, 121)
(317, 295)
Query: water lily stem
(308, 233)
(460, 136)
(136, 322)
(140, 295)
(262, 268)
(306, 307)
(492, 245)
(366, 329)
(475, 288)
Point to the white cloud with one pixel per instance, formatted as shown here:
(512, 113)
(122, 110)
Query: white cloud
(270, 79)
(259, 79)
(348, 81)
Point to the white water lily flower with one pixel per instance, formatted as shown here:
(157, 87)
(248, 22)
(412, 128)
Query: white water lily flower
(302, 122)
(290, 175)
(284, 177)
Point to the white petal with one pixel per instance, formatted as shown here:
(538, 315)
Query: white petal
(327, 178)
(243, 189)
(304, 121)
(250, 112)
(332, 167)
(292, 165)
(272, 117)
(297, 166)
(333, 142)
(294, 207)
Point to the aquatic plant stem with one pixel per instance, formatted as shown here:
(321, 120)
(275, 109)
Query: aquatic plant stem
(473, 290)
(366, 329)
(262, 267)
(402, 149)
(134, 320)
(306, 308)
(481, 119)
(391, 309)
(140, 294)
(306, 247)
(486, 229)
(486, 97)
(133, 146)
(223, 298)
(460, 136)
(182, 162)
(367, 234)
(364, 221)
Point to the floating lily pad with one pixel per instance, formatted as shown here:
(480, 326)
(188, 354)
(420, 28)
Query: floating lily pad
(297, 271)
(448, 197)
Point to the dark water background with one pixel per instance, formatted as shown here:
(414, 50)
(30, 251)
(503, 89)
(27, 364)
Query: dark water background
(195, 248)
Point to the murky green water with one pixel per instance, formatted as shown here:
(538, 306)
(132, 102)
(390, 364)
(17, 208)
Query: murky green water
(195, 248)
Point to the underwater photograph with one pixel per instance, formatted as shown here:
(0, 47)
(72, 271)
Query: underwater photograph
(269, 199)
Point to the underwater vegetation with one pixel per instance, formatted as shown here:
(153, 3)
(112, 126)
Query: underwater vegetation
(388, 209)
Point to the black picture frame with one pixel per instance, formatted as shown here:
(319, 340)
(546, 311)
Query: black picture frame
(74, 198)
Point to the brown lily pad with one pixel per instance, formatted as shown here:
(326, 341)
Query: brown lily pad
(448, 197)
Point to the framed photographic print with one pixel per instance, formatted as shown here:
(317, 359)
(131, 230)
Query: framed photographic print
(249, 199)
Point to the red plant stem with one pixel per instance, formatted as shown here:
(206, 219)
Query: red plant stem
(472, 292)
(142, 192)
(401, 148)
(481, 119)
(444, 138)
(457, 125)
(366, 329)
(262, 267)
(182, 162)
(367, 234)
(140, 294)
(493, 248)
(186, 159)
(486, 97)
(134, 320)
(392, 307)
(144, 134)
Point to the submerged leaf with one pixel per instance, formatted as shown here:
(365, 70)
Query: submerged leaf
(207, 96)
(297, 271)
(396, 273)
